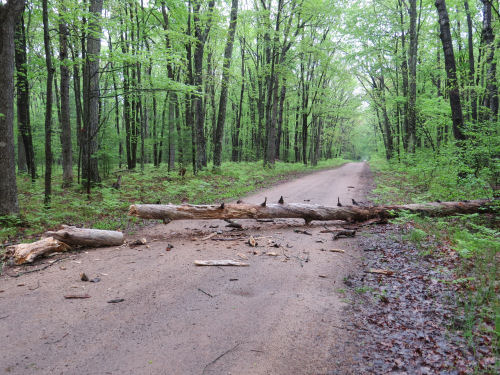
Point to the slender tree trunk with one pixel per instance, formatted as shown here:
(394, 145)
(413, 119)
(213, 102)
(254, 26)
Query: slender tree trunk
(9, 13)
(190, 81)
(228, 53)
(280, 117)
(412, 98)
(404, 75)
(201, 34)
(235, 152)
(451, 70)
(296, 149)
(48, 105)
(117, 104)
(91, 96)
(23, 102)
(470, 47)
(67, 152)
(491, 96)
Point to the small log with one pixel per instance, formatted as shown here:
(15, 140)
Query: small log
(221, 262)
(307, 212)
(87, 237)
(28, 252)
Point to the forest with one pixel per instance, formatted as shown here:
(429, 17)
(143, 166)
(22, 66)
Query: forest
(93, 87)
(249, 186)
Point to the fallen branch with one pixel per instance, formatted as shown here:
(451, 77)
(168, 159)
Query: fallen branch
(35, 270)
(77, 296)
(222, 262)
(307, 212)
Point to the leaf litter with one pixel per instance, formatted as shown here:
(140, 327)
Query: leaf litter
(411, 323)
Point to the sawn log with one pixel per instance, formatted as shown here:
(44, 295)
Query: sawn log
(308, 212)
(87, 237)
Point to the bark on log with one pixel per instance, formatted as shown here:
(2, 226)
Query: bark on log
(28, 252)
(307, 212)
(87, 237)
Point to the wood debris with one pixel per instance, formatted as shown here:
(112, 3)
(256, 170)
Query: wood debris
(209, 236)
(381, 271)
(220, 262)
(252, 242)
(76, 296)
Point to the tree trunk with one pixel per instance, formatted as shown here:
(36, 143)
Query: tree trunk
(236, 152)
(228, 53)
(91, 96)
(67, 152)
(190, 81)
(280, 117)
(470, 47)
(48, 105)
(23, 102)
(491, 96)
(412, 98)
(87, 237)
(451, 70)
(9, 13)
(201, 34)
(307, 212)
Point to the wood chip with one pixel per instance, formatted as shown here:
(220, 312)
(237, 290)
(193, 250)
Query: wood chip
(252, 242)
(337, 251)
(209, 236)
(272, 254)
(381, 272)
(242, 256)
(220, 262)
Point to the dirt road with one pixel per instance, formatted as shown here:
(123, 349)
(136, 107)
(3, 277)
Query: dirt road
(280, 315)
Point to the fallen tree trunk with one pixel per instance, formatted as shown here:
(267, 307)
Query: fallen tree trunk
(28, 252)
(87, 237)
(307, 212)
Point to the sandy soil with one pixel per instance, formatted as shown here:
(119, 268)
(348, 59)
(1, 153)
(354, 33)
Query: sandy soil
(281, 315)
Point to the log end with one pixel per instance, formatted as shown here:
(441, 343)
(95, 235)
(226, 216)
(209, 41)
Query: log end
(132, 211)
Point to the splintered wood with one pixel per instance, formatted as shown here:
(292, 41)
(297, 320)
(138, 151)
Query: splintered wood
(28, 252)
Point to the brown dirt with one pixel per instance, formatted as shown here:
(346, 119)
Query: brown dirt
(277, 316)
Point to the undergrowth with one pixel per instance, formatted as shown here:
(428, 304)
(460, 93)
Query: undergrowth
(108, 207)
(473, 239)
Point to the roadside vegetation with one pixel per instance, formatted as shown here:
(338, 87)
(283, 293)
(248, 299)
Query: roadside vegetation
(467, 245)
